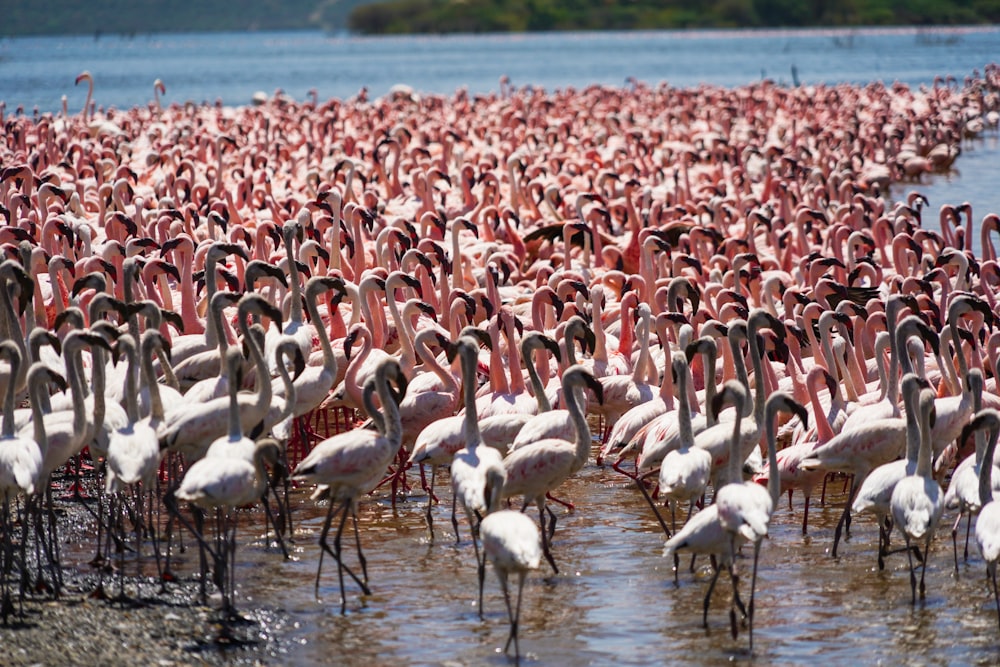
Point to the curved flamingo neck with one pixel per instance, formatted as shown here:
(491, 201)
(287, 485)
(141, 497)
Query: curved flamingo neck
(470, 362)
(351, 385)
(824, 431)
(683, 370)
(432, 363)
(537, 387)
(329, 358)
(498, 377)
(572, 384)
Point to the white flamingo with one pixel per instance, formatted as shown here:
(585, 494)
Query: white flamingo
(475, 467)
(351, 464)
(745, 509)
(536, 469)
(917, 504)
(988, 522)
(875, 493)
(512, 543)
(963, 489)
(704, 534)
(20, 464)
(684, 472)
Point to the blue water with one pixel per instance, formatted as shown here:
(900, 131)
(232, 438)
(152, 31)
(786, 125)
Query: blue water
(37, 71)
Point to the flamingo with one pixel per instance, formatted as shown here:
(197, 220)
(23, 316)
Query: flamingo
(745, 509)
(662, 435)
(21, 465)
(351, 464)
(227, 483)
(630, 423)
(875, 492)
(133, 452)
(716, 438)
(547, 423)
(988, 523)
(963, 489)
(704, 533)
(512, 543)
(684, 472)
(315, 382)
(861, 449)
(189, 429)
(203, 374)
(439, 441)
(475, 467)
(538, 468)
(295, 327)
(624, 392)
(917, 504)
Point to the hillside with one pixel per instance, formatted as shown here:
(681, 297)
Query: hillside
(53, 17)
(404, 16)
(31, 17)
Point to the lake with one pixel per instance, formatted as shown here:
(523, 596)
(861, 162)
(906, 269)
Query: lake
(615, 601)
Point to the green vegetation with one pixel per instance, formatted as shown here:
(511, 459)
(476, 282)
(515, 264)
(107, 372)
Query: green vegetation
(33, 17)
(443, 16)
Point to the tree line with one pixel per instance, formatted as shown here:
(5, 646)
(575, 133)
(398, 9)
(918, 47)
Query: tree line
(30, 17)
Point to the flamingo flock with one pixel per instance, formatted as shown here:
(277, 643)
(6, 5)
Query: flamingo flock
(211, 305)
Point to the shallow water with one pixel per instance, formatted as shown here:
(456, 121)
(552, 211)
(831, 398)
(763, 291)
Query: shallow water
(614, 600)
(37, 71)
(973, 178)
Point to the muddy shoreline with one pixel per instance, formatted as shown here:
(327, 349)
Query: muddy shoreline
(150, 625)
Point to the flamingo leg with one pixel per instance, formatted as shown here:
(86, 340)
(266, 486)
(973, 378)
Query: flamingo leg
(617, 467)
(735, 579)
(171, 502)
(98, 558)
(753, 588)
(336, 556)
(565, 503)
(341, 509)
(552, 523)
(273, 521)
(923, 568)
(285, 507)
(645, 494)
(322, 540)
(430, 498)
(154, 533)
(883, 541)
(23, 579)
(480, 557)
(53, 546)
(992, 571)
(844, 518)
(515, 621)
(968, 527)
(6, 604)
(716, 570)
(510, 611)
(954, 539)
(545, 535)
(913, 576)
(357, 540)
(805, 515)
(454, 516)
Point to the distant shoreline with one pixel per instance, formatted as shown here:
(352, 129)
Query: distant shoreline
(817, 31)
